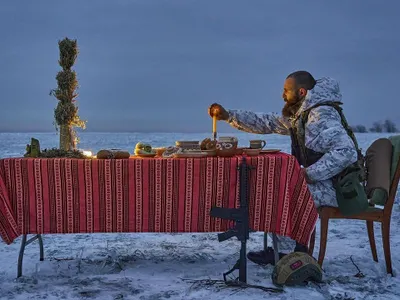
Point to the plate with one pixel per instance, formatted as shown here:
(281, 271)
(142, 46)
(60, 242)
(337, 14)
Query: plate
(270, 151)
(226, 152)
(210, 153)
(190, 155)
(145, 155)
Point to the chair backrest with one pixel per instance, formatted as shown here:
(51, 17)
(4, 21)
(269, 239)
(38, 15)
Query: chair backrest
(393, 191)
(378, 161)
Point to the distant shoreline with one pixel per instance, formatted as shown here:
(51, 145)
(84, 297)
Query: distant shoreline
(159, 132)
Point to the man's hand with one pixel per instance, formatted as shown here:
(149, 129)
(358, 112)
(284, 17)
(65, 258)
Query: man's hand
(217, 110)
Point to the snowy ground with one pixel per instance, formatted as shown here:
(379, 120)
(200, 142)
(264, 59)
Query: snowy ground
(154, 266)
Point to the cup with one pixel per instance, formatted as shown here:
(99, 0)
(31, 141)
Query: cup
(160, 151)
(257, 144)
(228, 139)
(224, 140)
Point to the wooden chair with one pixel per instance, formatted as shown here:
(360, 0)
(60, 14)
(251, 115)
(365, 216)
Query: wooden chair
(371, 215)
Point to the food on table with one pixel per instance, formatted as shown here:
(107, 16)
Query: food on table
(222, 146)
(112, 153)
(144, 149)
(188, 149)
(170, 151)
(208, 144)
(226, 146)
(160, 150)
(188, 145)
(227, 142)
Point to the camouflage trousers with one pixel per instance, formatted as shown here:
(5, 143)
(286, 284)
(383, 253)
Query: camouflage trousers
(323, 194)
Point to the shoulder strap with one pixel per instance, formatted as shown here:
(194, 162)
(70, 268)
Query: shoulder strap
(350, 133)
(346, 126)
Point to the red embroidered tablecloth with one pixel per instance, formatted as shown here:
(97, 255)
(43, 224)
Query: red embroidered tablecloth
(150, 195)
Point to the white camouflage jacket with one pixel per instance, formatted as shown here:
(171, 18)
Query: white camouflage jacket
(324, 133)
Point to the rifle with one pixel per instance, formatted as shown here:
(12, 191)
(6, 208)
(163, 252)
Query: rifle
(241, 217)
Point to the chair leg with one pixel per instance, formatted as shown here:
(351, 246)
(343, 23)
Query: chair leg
(386, 245)
(323, 239)
(312, 243)
(265, 241)
(41, 257)
(371, 237)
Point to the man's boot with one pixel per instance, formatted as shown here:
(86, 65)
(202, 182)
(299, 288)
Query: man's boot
(300, 248)
(268, 258)
(264, 257)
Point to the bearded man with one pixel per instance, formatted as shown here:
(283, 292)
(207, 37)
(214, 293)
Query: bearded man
(321, 139)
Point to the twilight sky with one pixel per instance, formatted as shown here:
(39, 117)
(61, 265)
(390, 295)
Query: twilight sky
(156, 65)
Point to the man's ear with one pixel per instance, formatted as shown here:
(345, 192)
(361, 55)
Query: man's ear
(302, 92)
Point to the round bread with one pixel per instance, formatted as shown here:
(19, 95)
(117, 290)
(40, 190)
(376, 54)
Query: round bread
(211, 145)
(117, 154)
(208, 144)
(203, 144)
(104, 154)
(296, 268)
(121, 154)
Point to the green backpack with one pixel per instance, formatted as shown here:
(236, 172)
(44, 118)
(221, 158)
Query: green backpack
(349, 184)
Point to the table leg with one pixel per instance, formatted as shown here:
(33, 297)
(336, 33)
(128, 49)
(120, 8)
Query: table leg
(25, 243)
(21, 256)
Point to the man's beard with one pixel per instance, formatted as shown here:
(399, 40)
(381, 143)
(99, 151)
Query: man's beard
(290, 109)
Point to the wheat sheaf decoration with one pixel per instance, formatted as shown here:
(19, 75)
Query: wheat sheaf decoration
(66, 113)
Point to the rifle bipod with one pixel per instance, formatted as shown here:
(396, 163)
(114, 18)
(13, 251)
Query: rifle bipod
(241, 217)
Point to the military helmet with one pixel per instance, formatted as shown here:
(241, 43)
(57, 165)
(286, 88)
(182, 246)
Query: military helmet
(296, 268)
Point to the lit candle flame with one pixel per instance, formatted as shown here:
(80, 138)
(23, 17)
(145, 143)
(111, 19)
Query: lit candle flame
(87, 153)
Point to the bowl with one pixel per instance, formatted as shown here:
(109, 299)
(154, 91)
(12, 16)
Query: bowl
(228, 139)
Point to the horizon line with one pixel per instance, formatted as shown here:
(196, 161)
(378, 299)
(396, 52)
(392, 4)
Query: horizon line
(161, 132)
(99, 131)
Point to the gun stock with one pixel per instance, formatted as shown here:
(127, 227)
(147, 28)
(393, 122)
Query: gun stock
(227, 235)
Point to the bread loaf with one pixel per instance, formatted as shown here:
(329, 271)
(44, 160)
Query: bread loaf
(117, 154)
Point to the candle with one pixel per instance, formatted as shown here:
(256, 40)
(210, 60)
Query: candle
(215, 126)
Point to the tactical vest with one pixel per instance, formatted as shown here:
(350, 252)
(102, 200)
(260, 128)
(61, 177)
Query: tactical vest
(306, 157)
